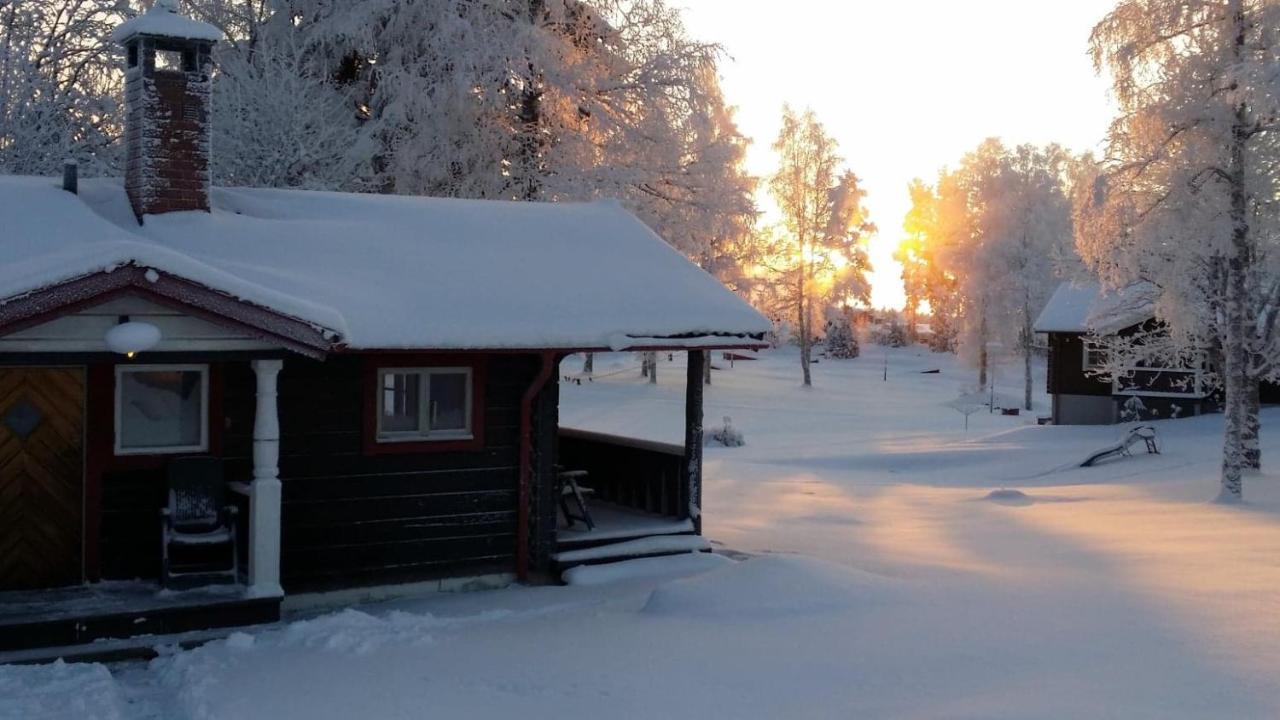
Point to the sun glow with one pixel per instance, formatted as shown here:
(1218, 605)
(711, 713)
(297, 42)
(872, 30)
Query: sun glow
(914, 106)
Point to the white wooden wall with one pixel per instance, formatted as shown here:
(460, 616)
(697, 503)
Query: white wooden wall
(84, 331)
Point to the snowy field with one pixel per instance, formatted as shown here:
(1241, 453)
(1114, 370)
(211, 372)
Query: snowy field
(882, 580)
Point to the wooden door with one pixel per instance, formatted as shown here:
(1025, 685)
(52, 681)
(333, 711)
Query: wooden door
(41, 477)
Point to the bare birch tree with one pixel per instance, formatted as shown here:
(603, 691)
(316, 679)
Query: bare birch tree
(824, 225)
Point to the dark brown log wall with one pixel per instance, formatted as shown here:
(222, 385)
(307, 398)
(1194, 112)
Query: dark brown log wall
(1066, 374)
(351, 518)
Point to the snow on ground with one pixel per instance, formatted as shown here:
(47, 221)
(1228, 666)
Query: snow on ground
(890, 578)
(84, 692)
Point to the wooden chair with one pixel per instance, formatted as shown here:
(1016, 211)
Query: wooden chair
(567, 480)
(198, 514)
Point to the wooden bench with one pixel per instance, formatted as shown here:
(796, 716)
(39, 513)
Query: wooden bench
(1140, 434)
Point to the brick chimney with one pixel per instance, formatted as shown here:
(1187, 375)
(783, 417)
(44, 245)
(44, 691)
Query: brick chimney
(167, 84)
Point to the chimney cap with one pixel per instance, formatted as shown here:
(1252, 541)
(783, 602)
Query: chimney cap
(163, 20)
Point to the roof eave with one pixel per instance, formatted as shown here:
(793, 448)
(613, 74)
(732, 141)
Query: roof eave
(39, 306)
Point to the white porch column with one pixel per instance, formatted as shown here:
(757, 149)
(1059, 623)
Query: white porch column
(264, 494)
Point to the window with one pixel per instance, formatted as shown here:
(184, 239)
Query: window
(133, 54)
(162, 409)
(175, 60)
(1096, 356)
(424, 404)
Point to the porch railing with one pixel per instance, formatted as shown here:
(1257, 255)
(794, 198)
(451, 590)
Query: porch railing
(639, 474)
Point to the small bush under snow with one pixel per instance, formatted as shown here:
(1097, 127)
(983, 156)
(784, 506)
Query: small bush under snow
(726, 435)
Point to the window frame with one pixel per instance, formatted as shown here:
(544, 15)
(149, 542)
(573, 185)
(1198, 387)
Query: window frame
(1090, 348)
(469, 440)
(117, 410)
(425, 433)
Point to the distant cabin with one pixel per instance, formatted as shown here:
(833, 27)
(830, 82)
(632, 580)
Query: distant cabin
(1080, 314)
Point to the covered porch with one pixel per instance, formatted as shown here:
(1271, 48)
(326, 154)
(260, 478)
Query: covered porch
(80, 565)
(91, 429)
(643, 497)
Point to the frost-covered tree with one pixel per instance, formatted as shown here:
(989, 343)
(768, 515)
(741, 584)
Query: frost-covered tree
(59, 85)
(840, 341)
(1187, 198)
(818, 256)
(984, 246)
(528, 100)
(506, 99)
(274, 125)
(912, 252)
(1029, 220)
(925, 279)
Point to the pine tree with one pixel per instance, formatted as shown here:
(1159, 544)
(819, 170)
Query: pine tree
(840, 340)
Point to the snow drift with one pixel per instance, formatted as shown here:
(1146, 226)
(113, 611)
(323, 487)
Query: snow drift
(770, 586)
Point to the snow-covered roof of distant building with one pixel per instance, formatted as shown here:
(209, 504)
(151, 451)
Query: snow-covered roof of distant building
(1085, 307)
(163, 20)
(390, 272)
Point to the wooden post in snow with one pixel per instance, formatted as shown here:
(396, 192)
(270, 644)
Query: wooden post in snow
(691, 470)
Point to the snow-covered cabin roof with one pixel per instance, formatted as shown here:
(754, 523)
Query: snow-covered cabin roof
(390, 272)
(1085, 307)
(163, 20)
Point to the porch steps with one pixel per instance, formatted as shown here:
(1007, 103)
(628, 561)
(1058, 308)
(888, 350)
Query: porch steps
(610, 534)
(631, 549)
(144, 647)
(81, 625)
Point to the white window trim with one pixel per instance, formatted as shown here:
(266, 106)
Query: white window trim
(1196, 392)
(1090, 347)
(166, 449)
(1118, 387)
(424, 407)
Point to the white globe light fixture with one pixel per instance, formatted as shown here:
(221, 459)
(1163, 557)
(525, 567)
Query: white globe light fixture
(129, 338)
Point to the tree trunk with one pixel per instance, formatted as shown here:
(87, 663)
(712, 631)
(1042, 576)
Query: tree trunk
(1234, 413)
(8, 53)
(1235, 349)
(706, 367)
(982, 365)
(653, 368)
(1028, 381)
(1027, 349)
(589, 364)
(805, 338)
(1253, 424)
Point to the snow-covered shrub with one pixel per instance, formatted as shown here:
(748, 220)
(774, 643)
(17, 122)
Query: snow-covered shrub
(1134, 409)
(726, 435)
(841, 343)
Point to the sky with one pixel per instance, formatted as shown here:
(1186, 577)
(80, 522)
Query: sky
(908, 87)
